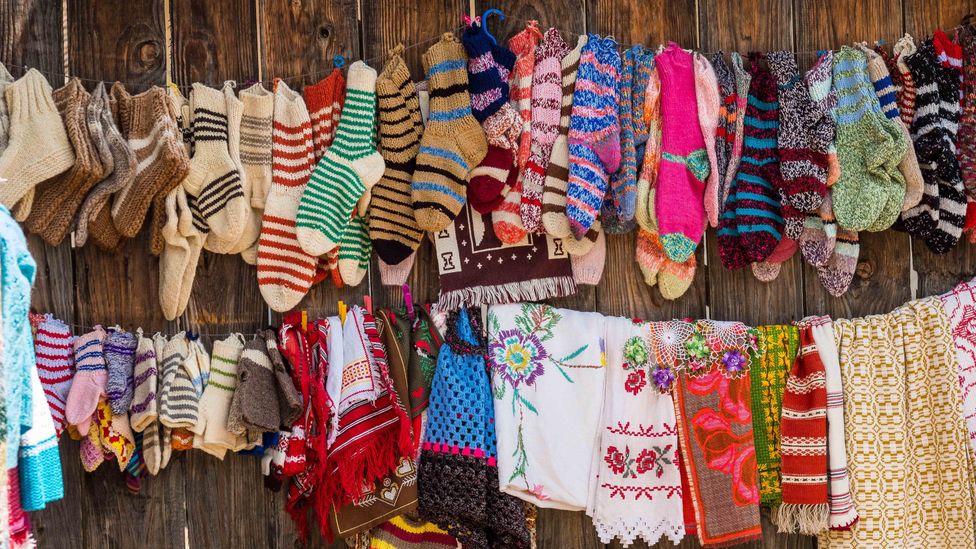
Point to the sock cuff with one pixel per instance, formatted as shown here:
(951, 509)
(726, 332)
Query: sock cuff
(30, 95)
(258, 101)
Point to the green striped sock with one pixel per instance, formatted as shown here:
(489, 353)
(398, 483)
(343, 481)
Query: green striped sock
(355, 250)
(350, 167)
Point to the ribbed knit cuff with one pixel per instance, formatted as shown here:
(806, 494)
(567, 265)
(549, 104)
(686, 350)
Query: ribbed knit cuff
(361, 77)
(396, 275)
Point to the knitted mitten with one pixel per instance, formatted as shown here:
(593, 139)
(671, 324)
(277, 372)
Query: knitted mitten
(392, 226)
(180, 256)
(88, 385)
(254, 405)
(709, 103)
(285, 272)
(453, 142)
(523, 45)
(488, 186)
(38, 147)
(119, 350)
(724, 136)
(161, 159)
(819, 235)
(684, 164)
(350, 167)
(57, 200)
(355, 250)
(216, 399)
(588, 267)
(489, 90)
(837, 274)
(743, 80)
(554, 190)
(55, 365)
(256, 154)
(866, 148)
(902, 49)
(819, 80)
(803, 137)
(506, 218)
(545, 101)
(324, 101)
(144, 410)
(594, 132)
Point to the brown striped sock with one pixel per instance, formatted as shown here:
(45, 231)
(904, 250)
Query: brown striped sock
(392, 227)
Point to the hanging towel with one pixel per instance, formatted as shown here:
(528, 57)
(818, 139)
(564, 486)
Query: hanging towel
(960, 308)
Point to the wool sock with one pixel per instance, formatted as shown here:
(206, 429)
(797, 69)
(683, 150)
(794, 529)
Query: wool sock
(864, 138)
(582, 246)
(55, 365)
(119, 351)
(837, 274)
(724, 135)
(56, 200)
(250, 226)
(96, 204)
(256, 154)
(649, 255)
(6, 79)
(88, 385)
(179, 401)
(684, 164)
(161, 158)
(768, 270)
(546, 102)
(355, 250)
(392, 226)
(98, 103)
(647, 181)
(803, 137)
(502, 128)
(350, 166)
(285, 271)
(143, 410)
(523, 45)
(952, 198)
(904, 48)
(966, 138)
(819, 80)
(489, 181)
(506, 218)
(180, 256)
(324, 101)
(588, 267)
(819, 235)
(673, 279)
(554, 217)
(594, 132)
(612, 212)
(743, 80)
(709, 102)
(38, 147)
(489, 91)
(211, 430)
(396, 275)
(453, 142)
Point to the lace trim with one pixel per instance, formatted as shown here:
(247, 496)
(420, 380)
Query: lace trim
(627, 531)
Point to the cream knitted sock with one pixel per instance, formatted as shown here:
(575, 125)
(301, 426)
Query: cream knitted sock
(178, 262)
(250, 227)
(256, 155)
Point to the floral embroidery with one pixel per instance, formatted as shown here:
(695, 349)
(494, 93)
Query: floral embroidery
(539, 492)
(518, 357)
(647, 461)
(653, 459)
(635, 381)
(734, 362)
(619, 462)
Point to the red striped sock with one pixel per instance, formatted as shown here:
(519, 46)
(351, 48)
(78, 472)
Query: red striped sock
(55, 365)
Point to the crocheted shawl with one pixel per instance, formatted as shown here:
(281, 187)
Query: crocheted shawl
(713, 410)
(636, 491)
(476, 268)
(767, 371)
(901, 402)
(804, 438)
(547, 381)
(458, 480)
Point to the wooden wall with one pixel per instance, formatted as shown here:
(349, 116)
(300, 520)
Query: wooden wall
(199, 502)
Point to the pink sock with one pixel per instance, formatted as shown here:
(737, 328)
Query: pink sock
(684, 162)
(88, 386)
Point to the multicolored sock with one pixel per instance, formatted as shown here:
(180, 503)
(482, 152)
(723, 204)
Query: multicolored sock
(820, 80)
(819, 235)
(55, 365)
(904, 48)
(523, 45)
(489, 181)
(506, 218)
(966, 137)
(724, 135)
(709, 101)
(647, 181)
(594, 132)
(743, 80)
(351, 165)
(489, 90)
(355, 250)
(453, 142)
(837, 274)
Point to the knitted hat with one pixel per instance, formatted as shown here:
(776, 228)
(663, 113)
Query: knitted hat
(55, 365)
(88, 385)
(119, 350)
(588, 268)
(143, 411)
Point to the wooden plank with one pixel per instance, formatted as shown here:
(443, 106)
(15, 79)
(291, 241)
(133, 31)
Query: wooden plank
(745, 25)
(415, 23)
(32, 36)
(569, 16)
(300, 37)
(649, 22)
(922, 17)
(214, 41)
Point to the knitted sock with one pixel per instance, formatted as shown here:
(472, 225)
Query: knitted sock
(152, 448)
(453, 142)
(523, 45)
(285, 272)
(355, 250)
(489, 181)
(724, 135)
(38, 147)
(256, 155)
(55, 365)
(645, 215)
(803, 138)
(612, 211)
(56, 200)
(819, 80)
(392, 226)
(594, 132)
(709, 101)
(675, 278)
(6, 79)
(819, 235)
(178, 261)
(211, 430)
(119, 350)
(557, 173)
(649, 255)
(143, 411)
(161, 158)
(743, 80)
(864, 138)
(837, 274)
(350, 167)
(684, 164)
(214, 182)
(902, 49)
(489, 91)
(88, 385)
(588, 267)
(324, 101)
(952, 198)
(251, 225)
(582, 246)
(123, 163)
(768, 270)
(502, 128)
(396, 275)
(966, 137)
(506, 218)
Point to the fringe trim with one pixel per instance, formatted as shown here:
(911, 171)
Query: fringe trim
(537, 289)
(805, 519)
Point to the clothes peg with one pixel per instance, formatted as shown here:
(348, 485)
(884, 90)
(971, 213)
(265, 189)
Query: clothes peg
(484, 21)
(408, 301)
(342, 312)
(368, 303)
(304, 320)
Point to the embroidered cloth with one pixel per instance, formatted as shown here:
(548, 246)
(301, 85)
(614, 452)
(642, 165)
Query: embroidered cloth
(960, 307)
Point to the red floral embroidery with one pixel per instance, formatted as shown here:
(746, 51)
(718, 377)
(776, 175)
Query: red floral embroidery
(636, 381)
(729, 453)
(734, 397)
(616, 460)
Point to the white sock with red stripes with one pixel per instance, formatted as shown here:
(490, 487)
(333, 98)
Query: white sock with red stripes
(285, 272)
(55, 365)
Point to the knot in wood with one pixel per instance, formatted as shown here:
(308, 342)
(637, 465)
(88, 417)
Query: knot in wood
(325, 32)
(864, 270)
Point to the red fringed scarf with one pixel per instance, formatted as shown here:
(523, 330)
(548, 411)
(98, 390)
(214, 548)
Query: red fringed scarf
(804, 443)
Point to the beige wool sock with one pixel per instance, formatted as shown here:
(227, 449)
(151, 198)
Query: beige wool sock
(235, 112)
(178, 262)
(256, 155)
(23, 207)
(38, 147)
(213, 181)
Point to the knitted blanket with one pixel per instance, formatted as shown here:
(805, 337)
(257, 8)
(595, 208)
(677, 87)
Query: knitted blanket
(712, 406)
(547, 380)
(960, 308)
(767, 371)
(905, 432)
(636, 492)
(476, 268)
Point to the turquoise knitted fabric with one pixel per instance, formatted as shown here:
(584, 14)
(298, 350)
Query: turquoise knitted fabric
(39, 465)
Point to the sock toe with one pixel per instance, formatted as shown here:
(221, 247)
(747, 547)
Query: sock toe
(678, 247)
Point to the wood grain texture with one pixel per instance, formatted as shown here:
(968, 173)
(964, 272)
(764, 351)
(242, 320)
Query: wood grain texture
(923, 17)
(644, 22)
(300, 37)
(31, 36)
(415, 23)
(569, 16)
(744, 25)
(214, 41)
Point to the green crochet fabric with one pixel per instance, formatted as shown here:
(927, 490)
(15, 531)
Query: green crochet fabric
(778, 346)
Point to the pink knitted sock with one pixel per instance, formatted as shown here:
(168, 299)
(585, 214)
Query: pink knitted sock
(684, 162)
(88, 386)
(588, 268)
(709, 105)
(506, 220)
(523, 45)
